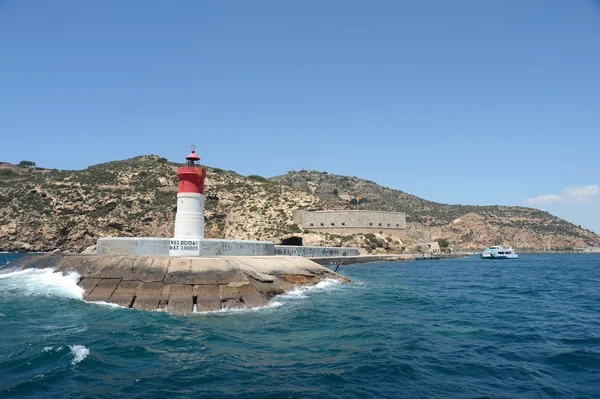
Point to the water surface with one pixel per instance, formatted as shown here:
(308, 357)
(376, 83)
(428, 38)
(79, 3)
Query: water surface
(467, 328)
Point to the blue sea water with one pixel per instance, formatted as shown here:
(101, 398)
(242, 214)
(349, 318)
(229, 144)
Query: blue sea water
(460, 328)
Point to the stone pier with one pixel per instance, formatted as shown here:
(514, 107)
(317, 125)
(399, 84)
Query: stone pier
(179, 285)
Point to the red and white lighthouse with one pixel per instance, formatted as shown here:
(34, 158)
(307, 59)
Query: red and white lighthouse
(189, 220)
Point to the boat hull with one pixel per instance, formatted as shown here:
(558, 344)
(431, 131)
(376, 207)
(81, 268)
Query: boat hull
(515, 256)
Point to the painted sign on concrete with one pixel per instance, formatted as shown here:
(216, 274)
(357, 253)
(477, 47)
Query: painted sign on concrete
(184, 247)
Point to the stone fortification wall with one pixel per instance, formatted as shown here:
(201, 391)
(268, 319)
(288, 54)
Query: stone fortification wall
(398, 233)
(314, 252)
(349, 219)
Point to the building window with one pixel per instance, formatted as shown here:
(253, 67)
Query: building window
(333, 224)
(397, 225)
(388, 225)
(379, 224)
(343, 224)
(311, 224)
(321, 224)
(370, 224)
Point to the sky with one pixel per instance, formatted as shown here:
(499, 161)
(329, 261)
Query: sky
(492, 102)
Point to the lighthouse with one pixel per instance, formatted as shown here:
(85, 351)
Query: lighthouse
(189, 220)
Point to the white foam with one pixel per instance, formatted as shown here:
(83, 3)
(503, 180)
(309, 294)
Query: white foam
(47, 349)
(301, 291)
(42, 282)
(107, 304)
(280, 300)
(80, 352)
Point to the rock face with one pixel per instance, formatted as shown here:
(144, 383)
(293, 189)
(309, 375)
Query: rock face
(180, 285)
(41, 210)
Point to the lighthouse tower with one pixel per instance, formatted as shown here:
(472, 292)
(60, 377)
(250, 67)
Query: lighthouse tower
(189, 220)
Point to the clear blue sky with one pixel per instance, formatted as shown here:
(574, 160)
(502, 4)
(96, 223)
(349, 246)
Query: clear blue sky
(471, 102)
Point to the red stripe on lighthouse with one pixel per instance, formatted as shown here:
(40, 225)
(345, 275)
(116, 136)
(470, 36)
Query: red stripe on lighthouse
(191, 179)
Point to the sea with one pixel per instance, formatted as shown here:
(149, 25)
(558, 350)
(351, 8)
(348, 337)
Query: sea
(454, 328)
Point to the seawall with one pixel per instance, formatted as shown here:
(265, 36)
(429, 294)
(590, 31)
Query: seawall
(159, 246)
(181, 285)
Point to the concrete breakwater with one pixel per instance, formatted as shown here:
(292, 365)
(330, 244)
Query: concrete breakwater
(350, 260)
(181, 285)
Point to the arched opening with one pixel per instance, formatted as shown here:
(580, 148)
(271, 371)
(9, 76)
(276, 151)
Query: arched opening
(294, 240)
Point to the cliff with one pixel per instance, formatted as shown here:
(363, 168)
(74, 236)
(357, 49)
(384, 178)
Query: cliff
(42, 209)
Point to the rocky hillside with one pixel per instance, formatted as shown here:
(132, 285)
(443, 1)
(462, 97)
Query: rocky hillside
(466, 226)
(43, 209)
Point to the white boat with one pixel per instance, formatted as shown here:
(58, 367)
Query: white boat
(499, 252)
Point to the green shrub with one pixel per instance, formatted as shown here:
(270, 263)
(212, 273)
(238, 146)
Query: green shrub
(443, 242)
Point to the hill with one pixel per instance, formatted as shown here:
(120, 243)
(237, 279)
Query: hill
(465, 226)
(43, 209)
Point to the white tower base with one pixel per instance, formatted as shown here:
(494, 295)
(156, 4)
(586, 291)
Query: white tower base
(189, 225)
(189, 219)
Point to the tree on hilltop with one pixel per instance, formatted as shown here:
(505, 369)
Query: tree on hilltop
(27, 164)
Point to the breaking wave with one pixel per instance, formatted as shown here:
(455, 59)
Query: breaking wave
(79, 352)
(45, 282)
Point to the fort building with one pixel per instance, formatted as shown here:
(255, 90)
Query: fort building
(351, 221)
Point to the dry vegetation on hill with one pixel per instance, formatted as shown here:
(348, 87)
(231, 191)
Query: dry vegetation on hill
(465, 226)
(42, 209)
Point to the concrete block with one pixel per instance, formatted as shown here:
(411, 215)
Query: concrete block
(88, 285)
(268, 290)
(210, 271)
(148, 296)
(148, 269)
(85, 265)
(38, 261)
(103, 290)
(233, 304)
(114, 267)
(251, 297)
(179, 271)
(207, 298)
(246, 266)
(229, 293)
(181, 299)
(164, 297)
(125, 293)
(237, 295)
(278, 265)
